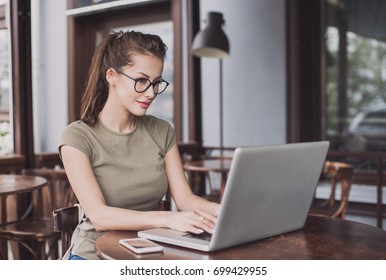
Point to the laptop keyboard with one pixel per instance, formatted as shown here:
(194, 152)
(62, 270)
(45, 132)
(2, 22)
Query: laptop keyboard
(203, 236)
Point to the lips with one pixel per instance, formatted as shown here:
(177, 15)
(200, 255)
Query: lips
(144, 105)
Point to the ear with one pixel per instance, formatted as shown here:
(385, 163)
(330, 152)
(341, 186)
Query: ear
(111, 76)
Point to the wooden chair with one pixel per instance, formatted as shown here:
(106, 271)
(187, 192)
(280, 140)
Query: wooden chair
(65, 221)
(34, 232)
(207, 174)
(335, 172)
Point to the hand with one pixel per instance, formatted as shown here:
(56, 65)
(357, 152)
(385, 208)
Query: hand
(192, 221)
(209, 212)
(209, 219)
(212, 208)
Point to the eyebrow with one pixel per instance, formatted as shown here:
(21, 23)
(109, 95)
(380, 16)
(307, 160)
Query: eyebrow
(147, 76)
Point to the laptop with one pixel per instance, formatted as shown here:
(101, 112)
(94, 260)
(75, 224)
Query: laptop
(268, 192)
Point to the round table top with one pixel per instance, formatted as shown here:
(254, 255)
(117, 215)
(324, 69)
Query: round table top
(53, 173)
(211, 164)
(13, 184)
(321, 238)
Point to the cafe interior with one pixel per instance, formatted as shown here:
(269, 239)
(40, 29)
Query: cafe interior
(241, 73)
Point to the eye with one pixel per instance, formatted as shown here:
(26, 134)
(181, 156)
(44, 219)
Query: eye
(142, 81)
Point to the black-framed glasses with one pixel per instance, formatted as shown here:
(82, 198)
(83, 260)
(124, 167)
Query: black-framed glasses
(142, 84)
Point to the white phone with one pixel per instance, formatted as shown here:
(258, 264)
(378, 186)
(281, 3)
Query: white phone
(140, 245)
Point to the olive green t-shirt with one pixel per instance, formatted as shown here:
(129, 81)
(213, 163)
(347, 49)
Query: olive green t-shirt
(129, 167)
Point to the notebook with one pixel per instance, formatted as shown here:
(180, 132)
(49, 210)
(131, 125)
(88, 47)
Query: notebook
(268, 192)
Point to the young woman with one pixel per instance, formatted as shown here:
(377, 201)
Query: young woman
(120, 161)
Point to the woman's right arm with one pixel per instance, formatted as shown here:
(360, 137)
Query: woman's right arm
(82, 179)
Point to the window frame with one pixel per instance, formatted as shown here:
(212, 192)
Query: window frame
(304, 51)
(21, 73)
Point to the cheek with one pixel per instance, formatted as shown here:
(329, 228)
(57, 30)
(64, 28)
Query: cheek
(125, 95)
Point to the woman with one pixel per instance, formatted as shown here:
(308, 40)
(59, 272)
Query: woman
(120, 161)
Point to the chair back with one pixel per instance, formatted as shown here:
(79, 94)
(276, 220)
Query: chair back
(57, 194)
(65, 221)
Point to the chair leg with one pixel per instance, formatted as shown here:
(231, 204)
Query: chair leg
(346, 187)
(53, 249)
(41, 248)
(3, 249)
(36, 250)
(331, 200)
(341, 211)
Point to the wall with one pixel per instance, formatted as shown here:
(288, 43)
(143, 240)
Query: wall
(253, 75)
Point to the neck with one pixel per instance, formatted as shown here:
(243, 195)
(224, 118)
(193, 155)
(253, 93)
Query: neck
(118, 122)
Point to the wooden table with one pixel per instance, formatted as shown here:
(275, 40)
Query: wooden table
(321, 238)
(216, 165)
(15, 185)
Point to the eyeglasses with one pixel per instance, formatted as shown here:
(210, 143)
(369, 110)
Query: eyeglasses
(142, 84)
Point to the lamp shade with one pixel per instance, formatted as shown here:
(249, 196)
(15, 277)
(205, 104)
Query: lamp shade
(212, 41)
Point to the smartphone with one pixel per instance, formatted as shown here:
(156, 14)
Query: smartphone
(140, 245)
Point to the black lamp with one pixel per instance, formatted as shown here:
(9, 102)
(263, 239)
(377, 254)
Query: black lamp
(212, 42)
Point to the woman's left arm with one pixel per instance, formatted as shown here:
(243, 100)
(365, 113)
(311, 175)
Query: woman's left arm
(180, 189)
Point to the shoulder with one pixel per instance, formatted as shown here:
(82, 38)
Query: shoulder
(77, 131)
(153, 123)
(161, 131)
(77, 135)
(76, 127)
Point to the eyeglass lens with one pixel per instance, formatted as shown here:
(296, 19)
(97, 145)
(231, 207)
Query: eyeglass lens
(141, 85)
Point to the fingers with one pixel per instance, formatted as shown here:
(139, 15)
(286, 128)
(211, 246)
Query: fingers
(205, 221)
(208, 225)
(194, 222)
(198, 223)
(206, 216)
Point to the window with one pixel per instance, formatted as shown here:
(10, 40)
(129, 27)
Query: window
(355, 115)
(6, 138)
(88, 3)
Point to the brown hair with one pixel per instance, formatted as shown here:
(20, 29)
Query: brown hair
(115, 51)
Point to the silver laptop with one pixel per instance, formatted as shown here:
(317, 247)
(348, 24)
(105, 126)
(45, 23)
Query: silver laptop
(268, 192)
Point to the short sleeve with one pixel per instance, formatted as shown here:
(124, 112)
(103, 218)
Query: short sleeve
(170, 137)
(162, 133)
(74, 135)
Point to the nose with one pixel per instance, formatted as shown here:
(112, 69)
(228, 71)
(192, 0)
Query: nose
(149, 93)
